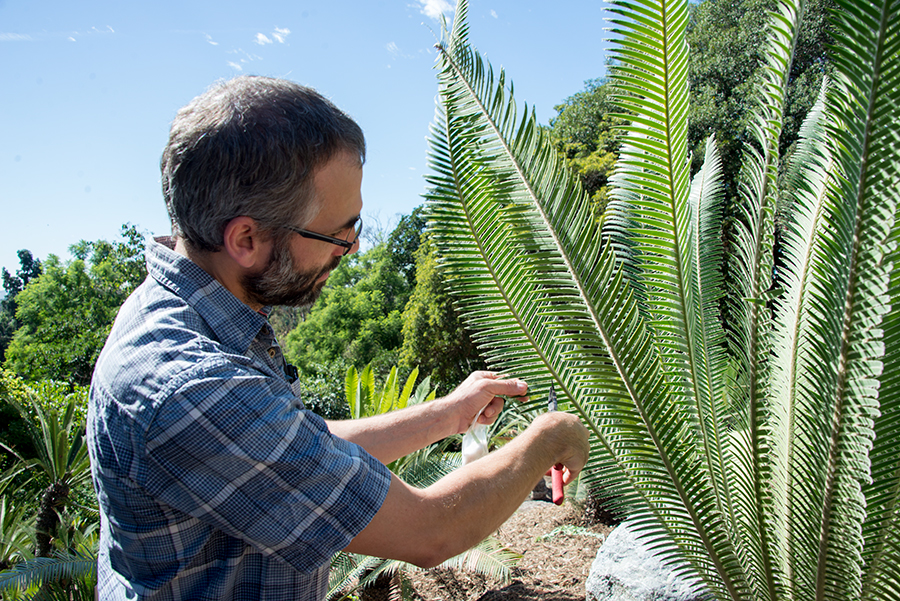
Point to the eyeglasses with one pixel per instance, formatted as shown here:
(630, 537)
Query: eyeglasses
(352, 236)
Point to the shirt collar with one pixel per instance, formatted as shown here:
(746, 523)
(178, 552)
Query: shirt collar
(235, 324)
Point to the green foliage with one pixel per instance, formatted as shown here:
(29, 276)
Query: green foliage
(48, 531)
(358, 317)
(16, 533)
(403, 243)
(14, 430)
(60, 458)
(727, 62)
(29, 268)
(587, 132)
(365, 401)
(434, 338)
(66, 576)
(66, 312)
(321, 388)
(760, 459)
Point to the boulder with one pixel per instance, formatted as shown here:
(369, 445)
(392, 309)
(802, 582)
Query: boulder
(625, 569)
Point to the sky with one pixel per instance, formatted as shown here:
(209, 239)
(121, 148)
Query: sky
(88, 91)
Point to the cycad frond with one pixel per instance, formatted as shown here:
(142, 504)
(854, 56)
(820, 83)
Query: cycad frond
(745, 467)
(518, 242)
(866, 101)
(489, 558)
(63, 566)
(808, 177)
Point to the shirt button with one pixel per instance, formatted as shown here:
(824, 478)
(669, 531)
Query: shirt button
(272, 352)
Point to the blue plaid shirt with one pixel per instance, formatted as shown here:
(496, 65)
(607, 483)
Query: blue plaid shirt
(214, 482)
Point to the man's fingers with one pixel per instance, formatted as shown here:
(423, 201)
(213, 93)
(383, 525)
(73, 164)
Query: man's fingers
(511, 387)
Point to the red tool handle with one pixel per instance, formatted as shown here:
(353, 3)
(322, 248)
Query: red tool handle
(556, 475)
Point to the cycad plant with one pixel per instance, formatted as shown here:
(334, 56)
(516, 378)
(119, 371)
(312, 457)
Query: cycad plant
(62, 458)
(760, 456)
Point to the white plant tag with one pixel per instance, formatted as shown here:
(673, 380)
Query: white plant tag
(475, 441)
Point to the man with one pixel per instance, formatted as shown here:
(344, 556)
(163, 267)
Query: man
(214, 482)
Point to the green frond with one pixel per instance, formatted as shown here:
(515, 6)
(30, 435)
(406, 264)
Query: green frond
(801, 214)
(707, 202)
(744, 458)
(851, 296)
(519, 246)
(881, 529)
(488, 558)
(426, 466)
(867, 102)
(64, 566)
(350, 572)
(342, 574)
(752, 266)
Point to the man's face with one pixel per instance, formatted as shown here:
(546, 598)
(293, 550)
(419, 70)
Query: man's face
(283, 282)
(298, 267)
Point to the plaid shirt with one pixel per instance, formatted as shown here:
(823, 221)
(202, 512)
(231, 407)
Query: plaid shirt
(214, 482)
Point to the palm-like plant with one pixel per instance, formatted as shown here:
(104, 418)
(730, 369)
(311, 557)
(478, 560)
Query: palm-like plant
(16, 541)
(760, 456)
(62, 458)
(69, 575)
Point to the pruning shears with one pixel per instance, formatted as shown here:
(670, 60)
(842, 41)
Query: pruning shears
(556, 472)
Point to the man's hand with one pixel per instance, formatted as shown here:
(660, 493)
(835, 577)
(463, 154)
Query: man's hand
(482, 389)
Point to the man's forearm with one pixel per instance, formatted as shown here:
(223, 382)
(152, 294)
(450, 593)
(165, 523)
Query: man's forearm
(393, 435)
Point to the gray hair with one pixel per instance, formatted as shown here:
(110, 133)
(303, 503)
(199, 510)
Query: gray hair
(250, 146)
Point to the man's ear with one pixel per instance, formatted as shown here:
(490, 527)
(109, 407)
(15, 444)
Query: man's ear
(245, 243)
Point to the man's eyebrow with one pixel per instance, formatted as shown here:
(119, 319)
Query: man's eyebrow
(350, 223)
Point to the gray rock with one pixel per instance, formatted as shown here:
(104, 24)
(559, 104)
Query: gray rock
(625, 569)
(541, 491)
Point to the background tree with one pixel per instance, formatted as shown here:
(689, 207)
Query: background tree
(586, 132)
(29, 269)
(357, 319)
(727, 46)
(434, 338)
(66, 312)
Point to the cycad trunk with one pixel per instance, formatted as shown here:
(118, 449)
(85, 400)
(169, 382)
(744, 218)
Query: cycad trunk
(53, 500)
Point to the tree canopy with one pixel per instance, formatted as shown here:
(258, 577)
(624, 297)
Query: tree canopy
(66, 312)
(725, 45)
(29, 269)
(434, 337)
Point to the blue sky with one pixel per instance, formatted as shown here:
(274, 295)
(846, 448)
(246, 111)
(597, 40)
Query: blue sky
(89, 90)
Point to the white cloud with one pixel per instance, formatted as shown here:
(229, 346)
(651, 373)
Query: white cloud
(493, 13)
(71, 39)
(393, 49)
(280, 34)
(433, 9)
(262, 39)
(235, 66)
(15, 37)
(210, 41)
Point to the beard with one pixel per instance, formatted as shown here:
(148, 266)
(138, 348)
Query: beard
(280, 283)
